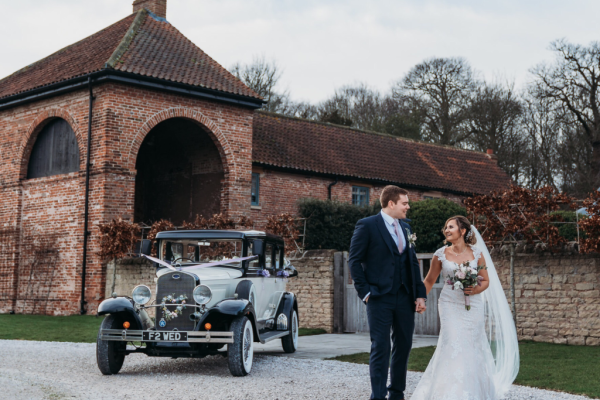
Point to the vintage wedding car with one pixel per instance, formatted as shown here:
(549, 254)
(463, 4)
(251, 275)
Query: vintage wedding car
(213, 288)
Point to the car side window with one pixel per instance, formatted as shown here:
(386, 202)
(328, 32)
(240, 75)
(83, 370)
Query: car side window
(253, 265)
(269, 256)
(278, 264)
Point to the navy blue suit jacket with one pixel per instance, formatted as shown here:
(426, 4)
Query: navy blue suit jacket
(372, 263)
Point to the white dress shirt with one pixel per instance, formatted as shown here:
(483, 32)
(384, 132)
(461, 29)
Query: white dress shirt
(389, 223)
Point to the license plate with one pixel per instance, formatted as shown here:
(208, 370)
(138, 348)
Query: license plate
(164, 336)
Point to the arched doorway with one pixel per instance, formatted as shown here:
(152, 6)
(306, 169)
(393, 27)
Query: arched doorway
(179, 173)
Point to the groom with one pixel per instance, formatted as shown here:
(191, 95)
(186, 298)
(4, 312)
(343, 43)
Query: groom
(386, 275)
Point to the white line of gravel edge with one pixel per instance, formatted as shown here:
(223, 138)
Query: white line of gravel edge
(53, 370)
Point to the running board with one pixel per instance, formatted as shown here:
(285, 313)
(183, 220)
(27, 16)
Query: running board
(267, 337)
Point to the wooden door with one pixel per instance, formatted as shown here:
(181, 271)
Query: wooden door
(355, 311)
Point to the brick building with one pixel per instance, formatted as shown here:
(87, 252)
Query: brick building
(137, 122)
(294, 158)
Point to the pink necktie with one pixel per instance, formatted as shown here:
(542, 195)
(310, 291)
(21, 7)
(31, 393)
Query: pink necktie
(398, 235)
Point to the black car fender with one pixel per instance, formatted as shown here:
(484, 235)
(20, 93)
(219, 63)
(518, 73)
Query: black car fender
(123, 307)
(229, 309)
(287, 303)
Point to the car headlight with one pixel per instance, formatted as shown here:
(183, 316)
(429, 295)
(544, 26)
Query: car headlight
(141, 294)
(202, 294)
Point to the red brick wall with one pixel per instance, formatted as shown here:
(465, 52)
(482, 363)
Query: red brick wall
(280, 192)
(122, 116)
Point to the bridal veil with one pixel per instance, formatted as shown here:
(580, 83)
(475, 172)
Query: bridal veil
(499, 325)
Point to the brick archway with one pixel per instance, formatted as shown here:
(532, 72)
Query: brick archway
(223, 146)
(27, 142)
(211, 129)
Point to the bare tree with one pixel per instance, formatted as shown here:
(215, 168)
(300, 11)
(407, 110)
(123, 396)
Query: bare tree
(365, 108)
(262, 76)
(573, 81)
(542, 126)
(494, 122)
(358, 106)
(302, 109)
(441, 90)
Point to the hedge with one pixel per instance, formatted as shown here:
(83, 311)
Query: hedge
(330, 224)
(427, 221)
(569, 231)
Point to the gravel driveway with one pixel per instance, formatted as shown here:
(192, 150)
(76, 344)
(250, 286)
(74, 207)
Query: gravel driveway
(50, 370)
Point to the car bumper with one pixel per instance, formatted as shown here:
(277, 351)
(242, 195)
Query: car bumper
(127, 335)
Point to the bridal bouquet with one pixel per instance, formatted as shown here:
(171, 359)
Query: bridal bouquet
(465, 276)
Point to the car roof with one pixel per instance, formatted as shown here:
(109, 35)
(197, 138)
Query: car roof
(218, 234)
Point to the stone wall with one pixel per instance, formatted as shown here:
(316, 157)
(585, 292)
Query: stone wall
(313, 285)
(314, 288)
(557, 296)
(129, 273)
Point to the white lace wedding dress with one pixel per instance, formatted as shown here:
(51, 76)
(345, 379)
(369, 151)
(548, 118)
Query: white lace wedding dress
(462, 366)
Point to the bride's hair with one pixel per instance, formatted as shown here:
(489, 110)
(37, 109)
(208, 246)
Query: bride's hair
(463, 223)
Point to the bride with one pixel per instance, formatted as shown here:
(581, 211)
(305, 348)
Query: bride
(477, 357)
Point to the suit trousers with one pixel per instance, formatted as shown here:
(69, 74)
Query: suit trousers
(393, 312)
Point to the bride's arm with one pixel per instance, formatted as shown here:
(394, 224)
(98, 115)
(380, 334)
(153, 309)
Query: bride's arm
(432, 275)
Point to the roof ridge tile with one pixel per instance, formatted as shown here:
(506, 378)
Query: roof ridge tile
(123, 46)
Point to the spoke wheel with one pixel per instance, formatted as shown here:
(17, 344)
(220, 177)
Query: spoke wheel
(241, 351)
(290, 342)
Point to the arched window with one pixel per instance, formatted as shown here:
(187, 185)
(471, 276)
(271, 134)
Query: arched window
(55, 151)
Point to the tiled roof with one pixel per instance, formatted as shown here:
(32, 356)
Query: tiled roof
(303, 145)
(141, 44)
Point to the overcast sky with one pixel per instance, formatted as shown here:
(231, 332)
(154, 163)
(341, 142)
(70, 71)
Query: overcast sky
(322, 45)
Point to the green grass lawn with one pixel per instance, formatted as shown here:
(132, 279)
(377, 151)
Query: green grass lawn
(311, 331)
(573, 369)
(75, 328)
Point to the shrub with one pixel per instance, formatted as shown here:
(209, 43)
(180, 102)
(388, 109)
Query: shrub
(427, 221)
(330, 224)
(117, 238)
(284, 225)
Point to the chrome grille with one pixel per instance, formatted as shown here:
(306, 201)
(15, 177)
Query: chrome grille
(184, 285)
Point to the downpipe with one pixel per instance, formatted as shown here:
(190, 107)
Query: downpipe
(86, 232)
(329, 187)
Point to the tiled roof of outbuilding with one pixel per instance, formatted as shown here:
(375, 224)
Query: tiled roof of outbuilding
(303, 145)
(141, 44)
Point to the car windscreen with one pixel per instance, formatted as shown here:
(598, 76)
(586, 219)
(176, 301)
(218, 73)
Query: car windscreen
(199, 251)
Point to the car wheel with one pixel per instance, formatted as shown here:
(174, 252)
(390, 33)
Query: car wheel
(109, 354)
(241, 352)
(290, 342)
(245, 290)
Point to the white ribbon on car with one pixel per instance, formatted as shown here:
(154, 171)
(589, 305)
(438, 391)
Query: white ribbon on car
(211, 264)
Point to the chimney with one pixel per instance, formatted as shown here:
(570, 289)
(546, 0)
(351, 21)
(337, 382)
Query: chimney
(491, 155)
(156, 7)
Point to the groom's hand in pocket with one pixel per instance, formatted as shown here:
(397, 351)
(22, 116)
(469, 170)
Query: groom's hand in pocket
(421, 307)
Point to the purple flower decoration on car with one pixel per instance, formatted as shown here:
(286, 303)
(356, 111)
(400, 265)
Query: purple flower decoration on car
(285, 274)
(263, 272)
